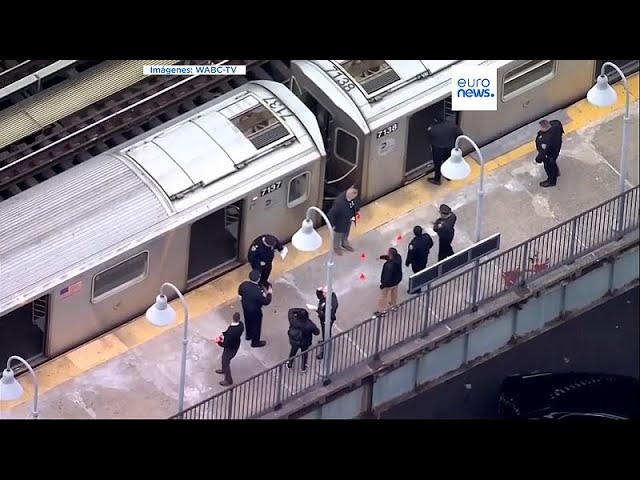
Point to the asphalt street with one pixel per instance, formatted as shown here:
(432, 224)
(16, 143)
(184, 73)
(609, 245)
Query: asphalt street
(604, 339)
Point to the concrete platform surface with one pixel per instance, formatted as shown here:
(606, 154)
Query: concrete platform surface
(142, 380)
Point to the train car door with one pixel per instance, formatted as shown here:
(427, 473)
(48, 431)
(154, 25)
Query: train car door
(23, 332)
(214, 244)
(418, 160)
(342, 147)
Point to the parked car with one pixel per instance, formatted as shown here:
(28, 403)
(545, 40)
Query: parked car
(569, 396)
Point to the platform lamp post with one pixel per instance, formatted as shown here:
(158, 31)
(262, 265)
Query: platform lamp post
(161, 314)
(603, 95)
(307, 240)
(10, 388)
(456, 168)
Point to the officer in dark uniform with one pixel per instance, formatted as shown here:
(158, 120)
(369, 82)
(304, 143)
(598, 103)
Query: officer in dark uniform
(548, 144)
(442, 136)
(321, 293)
(261, 254)
(418, 253)
(445, 228)
(253, 299)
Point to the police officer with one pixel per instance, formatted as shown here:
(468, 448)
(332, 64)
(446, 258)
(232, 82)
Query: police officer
(253, 299)
(321, 293)
(442, 136)
(445, 228)
(548, 144)
(261, 254)
(418, 253)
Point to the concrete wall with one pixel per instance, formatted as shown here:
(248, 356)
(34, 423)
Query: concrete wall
(547, 305)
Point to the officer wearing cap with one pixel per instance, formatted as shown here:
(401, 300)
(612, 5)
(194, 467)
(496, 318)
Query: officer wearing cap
(321, 293)
(445, 228)
(419, 248)
(261, 254)
(253, 299)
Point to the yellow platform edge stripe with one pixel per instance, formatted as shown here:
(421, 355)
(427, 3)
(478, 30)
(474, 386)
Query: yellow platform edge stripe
(224, 289)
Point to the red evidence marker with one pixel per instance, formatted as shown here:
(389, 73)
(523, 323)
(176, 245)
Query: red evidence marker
(363, 276)
(399, 237)
(363, 256)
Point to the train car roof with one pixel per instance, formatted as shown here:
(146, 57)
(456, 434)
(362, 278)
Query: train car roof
(149, 185)
(385, 89)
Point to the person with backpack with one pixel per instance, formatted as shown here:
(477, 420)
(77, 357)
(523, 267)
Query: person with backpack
(301, 332)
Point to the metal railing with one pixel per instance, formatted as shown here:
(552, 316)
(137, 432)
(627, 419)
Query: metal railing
(442, 301)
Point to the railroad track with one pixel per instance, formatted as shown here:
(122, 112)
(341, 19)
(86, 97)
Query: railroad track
(115, 120)
(13, 70)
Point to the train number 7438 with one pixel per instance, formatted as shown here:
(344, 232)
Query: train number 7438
(271, 188)
(386, 131)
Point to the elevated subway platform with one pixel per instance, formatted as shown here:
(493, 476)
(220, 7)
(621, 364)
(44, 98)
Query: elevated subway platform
(133, 372)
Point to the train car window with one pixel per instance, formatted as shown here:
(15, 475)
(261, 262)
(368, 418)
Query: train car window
(346, 147)
(526, 76)
(298, 190)
(120, 276)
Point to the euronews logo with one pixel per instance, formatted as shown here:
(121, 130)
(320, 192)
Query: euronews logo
(474, 88)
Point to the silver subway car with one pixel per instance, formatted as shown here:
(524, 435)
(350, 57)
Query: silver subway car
(373, 114)
(87, 250)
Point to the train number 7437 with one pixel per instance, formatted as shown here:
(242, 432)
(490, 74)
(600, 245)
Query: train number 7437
(271, 188)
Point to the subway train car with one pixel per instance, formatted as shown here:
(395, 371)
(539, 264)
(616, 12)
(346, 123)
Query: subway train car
(87, 250)
(373, 114)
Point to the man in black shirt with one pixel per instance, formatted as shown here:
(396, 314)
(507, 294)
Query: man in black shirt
(321, 293)
(548, 144)
(230, 341)
(445, 228)
(253, 299)
(261, 253)
(419, 248)
(442, 136)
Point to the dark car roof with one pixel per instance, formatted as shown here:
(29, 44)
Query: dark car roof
(537, 394)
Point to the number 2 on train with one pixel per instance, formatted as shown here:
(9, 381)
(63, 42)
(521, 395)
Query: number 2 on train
(386, 131)
(271, 188)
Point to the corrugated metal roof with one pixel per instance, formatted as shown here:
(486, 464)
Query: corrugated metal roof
(67, 98)
(54, 225)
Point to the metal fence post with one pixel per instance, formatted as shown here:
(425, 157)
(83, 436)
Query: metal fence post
(574, 240)
(523, 265)
(620, 220)
(376, 351)
(475, 283)
(229, 405)
(280, 387)
(427, 310)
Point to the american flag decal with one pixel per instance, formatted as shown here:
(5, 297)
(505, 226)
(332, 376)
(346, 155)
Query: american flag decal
(70, 290)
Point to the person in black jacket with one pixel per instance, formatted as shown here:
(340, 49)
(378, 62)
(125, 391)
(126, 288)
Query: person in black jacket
(342, 214)
(548, 145)
(321, 293)
(301, 332)
(442, 136)
(390, 278)
(418, 251)
(445, 228)
(260, 256)
(230, 341)
(253, 299)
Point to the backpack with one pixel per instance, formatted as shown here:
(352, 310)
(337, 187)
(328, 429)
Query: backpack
(295, 335)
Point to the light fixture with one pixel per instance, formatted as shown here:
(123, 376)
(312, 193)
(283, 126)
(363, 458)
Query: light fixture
(307, 239)
(161, 314)
(10, 388)
(602, 94)
(455, 167)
